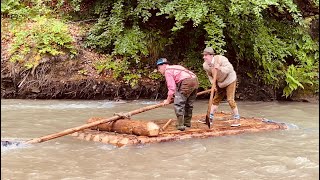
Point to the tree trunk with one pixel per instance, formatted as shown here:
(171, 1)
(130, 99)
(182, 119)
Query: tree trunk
(127, 126)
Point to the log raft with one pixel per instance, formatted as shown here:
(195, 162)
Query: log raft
(146, 132)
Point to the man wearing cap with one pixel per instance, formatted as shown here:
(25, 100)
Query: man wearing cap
(182, 84)
(225, 82)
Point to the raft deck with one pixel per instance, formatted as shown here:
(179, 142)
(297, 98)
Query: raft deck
(221, 127)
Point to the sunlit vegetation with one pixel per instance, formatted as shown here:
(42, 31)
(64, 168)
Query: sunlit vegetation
(270, 38)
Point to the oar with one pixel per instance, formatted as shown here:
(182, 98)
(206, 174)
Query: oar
(95, 123)
(213, 87)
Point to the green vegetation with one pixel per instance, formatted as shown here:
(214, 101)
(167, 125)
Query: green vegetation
(271, 36)
(35, 33)
(40, 37)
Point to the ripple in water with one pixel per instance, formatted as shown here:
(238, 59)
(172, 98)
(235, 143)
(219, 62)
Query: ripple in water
(305, 162)
(291, 126)
(148, 102)
(107, 147)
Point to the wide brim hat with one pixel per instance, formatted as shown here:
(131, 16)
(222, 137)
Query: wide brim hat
(208, 50)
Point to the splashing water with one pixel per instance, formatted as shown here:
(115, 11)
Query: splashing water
(7, 145)
(290, 126)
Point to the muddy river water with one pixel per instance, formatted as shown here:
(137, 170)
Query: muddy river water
(283, 154)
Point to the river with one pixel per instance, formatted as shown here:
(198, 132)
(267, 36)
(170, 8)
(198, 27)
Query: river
(284, 154)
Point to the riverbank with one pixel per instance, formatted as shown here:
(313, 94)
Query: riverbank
(62, 79)
(78, 78)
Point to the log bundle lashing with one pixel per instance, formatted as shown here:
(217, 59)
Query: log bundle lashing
(125, 132)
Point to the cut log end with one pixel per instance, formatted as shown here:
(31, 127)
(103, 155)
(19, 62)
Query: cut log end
(153, 129)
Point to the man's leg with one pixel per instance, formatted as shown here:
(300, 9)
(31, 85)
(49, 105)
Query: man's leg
(231, 89)
(219, 95)
(179, 108)
(189, 108)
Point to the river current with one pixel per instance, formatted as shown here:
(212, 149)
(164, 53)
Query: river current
(284, 154)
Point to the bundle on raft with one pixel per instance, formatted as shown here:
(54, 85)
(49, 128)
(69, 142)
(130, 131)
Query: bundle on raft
(125, 132)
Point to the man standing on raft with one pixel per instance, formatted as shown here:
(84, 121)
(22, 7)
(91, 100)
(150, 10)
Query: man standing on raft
(226, 82)
(183, 84)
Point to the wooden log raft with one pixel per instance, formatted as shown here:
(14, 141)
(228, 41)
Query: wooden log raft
(220, 127)
(127, 126)
(88, 125)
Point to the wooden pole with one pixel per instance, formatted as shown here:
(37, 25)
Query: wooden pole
(88, 125)
(166, 125)
(85, 126)
(213, 87)
(203, 92)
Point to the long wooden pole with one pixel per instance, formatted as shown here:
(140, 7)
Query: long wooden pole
(95, 123)
(213, 87)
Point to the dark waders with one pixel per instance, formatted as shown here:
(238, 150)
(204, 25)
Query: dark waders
(183, 102)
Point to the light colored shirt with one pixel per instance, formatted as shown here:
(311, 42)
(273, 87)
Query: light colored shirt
(225, 73)
(174, 74)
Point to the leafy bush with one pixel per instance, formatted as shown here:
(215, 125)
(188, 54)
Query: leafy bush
(14, 9)
(256, 31)
(21, 10)
(288, 60)
(38, 38)
(131, 44)
(271, 37)
(121, 70)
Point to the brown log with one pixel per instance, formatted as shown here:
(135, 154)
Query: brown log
(85, 126)
(127, 126)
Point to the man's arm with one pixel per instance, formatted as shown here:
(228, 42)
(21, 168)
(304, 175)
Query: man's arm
(210, 77)
(171, 85)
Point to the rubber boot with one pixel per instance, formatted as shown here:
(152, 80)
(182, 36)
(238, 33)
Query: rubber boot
(187, 122)
(180, 122)
(187, 118)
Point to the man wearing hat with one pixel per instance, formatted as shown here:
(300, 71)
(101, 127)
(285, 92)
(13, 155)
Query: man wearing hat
(182, 85)
(226, 81)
